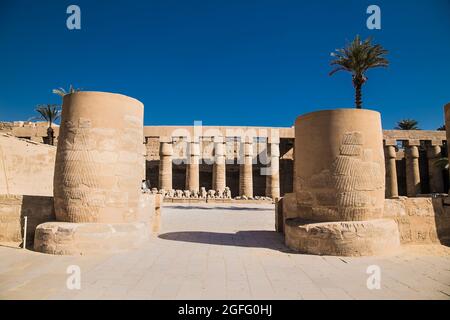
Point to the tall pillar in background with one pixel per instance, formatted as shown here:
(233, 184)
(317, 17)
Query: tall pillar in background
(273, 177)
(219, 168)
(412, 168)
(390, 154)
(434, 172)
(447, 124)
(192, 167)
(165, 163)
(246, 168)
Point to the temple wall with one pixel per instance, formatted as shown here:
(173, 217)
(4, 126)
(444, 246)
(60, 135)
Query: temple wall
(400, 140)
(420, 220)
(26, 187)
(13, 209)
(26, 167)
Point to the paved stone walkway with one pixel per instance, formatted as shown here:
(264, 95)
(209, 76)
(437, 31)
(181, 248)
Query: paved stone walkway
(223, 252)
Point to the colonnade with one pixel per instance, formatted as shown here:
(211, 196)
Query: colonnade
(246, 162)
(413, 179)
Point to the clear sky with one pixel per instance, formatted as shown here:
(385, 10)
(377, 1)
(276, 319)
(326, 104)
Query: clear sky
(225, 62)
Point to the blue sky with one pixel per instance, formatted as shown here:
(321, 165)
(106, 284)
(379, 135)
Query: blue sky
(225, 62)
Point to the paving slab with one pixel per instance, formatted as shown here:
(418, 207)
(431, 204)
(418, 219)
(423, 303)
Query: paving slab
(220, 251)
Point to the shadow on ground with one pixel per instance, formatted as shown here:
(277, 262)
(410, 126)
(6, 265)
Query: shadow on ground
(234, 208)
(250, 239)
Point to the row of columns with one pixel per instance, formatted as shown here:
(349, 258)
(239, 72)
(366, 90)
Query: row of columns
(413, 187)
(219, 167)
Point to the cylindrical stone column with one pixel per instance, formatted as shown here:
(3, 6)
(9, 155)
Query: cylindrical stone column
(338, 202)
(246, 169)
(412, 171)
(192, 167)
(340, 167)
(97, 176)
(219, 167)
(447, 126)
(391, 172)
(273, 177)
(165, 164)
(434, 172)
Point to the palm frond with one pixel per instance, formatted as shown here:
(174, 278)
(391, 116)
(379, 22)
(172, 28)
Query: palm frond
(62, 92)
(49, 113)
(441, 163)
(359, 56)
(407, 124)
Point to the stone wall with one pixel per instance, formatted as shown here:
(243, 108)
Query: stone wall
(33, 131)
(13, 209)
(26, 167)
(26, 187)
(420, 220)
(149, 210)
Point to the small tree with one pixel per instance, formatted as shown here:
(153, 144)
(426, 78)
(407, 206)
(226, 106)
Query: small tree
(441, 128)
(49, 113)
(407, 124)
(357, 58)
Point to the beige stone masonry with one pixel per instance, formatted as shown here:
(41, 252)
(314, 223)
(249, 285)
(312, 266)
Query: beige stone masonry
(349, 238)
(99, 205)
(246, 170)
(338, 200)
(219, 165)
(26, 167)
(99, 158)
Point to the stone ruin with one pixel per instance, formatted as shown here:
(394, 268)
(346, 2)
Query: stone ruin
(338, 206)
(203, 194)
(339, 185)
(99, 168)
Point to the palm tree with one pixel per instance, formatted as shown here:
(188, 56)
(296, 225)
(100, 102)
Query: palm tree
(62, 92)
(442, 163)
(358, 57)
(407, 124)
(49, 113)
(441, 128)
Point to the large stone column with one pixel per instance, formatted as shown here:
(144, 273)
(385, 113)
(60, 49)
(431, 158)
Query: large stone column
(219, 167)
(337, 207)
(246, 168)
(435, 173)
(97, 180)
(273, 177)
(192, 167)
(447, 127)
(412, 168)
(391, 169)
(165, 163)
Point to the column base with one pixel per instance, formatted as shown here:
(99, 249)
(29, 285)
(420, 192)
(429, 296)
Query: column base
(65, 238)
(343, 238)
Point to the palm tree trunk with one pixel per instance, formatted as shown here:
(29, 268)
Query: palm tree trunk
(358, 96)
(50, 135)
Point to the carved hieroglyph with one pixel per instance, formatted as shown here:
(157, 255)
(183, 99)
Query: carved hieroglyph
(346, 190)
(100, 158)
(344, 179)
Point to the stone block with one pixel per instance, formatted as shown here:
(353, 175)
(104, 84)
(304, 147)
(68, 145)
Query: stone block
(65, 238)
(349, 238)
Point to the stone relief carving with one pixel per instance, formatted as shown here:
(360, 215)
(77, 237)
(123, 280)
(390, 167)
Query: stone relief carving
(344, 190)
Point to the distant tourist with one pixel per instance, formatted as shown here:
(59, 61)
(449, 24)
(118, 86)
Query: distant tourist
(145, 186)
